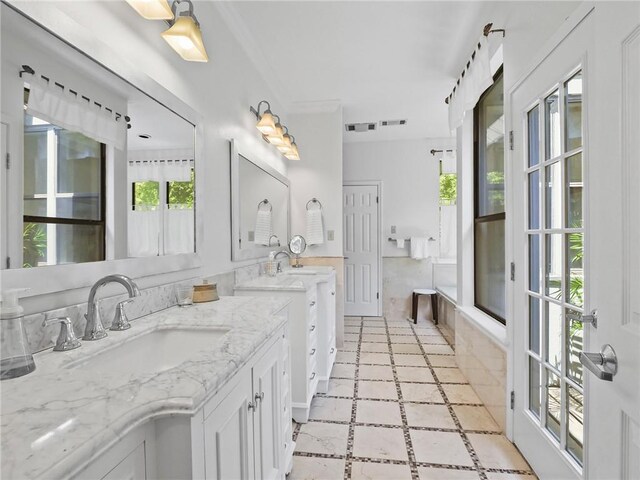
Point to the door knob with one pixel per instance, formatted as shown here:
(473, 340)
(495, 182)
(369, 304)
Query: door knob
(604, 364)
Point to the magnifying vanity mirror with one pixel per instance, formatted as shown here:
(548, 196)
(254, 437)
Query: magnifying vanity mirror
(297, 245)
(259, 206)
(100, 170)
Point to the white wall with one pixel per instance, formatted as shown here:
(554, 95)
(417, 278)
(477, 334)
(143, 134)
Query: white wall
(220, 91)
(410, 177)
(318, 174)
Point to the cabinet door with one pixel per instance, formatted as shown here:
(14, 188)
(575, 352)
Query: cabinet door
(132, 467)
(228, 435)
(267, 373)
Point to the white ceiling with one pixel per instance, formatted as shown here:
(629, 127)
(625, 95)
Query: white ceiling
(381, 60)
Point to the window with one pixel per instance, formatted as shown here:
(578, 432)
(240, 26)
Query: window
(64, 196)
(145, 195)
(447, 209)
(180, 194)
(448, 188)
(489, 225)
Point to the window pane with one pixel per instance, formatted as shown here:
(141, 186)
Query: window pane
(573, 112)
(490, 267)
(553, 321)
(575, 424)
(535, 386)
(553, 195)
(534, 263)
(552, 125)
(35, 159)
(490, 161)
(181, 193)
(533, 118)
(575, 274)
(534, 200)
(534, 324)
(553, 265)
(56, 244)
(448, 188)
(553, 401)
(574, 194)
(146, 194)
(575, 333)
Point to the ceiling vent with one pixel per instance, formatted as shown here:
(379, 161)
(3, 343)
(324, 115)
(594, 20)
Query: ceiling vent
(391, 123)
(360, 127)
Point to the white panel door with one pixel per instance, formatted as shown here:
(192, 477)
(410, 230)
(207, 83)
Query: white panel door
(267, 423)
(361, 250)
(571, 155)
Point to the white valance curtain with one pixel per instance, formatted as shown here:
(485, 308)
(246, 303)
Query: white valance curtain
(160, 165)
(477, 78)
(62, 108)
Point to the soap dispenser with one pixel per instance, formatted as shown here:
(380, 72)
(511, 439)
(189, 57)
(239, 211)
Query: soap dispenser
(15, 355)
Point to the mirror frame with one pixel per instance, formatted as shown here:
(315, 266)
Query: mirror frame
(237, 253)
(57, 278)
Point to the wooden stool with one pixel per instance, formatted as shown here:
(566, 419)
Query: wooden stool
(434, 303)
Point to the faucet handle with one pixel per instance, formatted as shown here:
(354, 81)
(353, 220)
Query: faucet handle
(67, 338)
(120, 320)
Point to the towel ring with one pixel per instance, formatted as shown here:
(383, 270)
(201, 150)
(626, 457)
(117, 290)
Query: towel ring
(314, 200)
(267, 203)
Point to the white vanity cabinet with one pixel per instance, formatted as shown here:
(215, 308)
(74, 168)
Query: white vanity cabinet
(326, 331)
(243, 432)
(313, 332)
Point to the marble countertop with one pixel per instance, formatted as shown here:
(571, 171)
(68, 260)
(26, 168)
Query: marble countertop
(56, 419)
(288, 281)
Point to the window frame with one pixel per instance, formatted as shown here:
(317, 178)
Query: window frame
(79, 221)
(494, 217)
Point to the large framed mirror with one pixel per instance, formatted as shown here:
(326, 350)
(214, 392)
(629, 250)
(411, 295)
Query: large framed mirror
(260, 207)
(102, 165)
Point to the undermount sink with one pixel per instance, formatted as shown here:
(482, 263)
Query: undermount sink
(154, 351)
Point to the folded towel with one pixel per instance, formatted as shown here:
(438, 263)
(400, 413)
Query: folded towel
(263, 227)
(315, 231)
(400, 242)
(421, 248)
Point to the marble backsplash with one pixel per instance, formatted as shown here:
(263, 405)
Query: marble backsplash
(151, 300)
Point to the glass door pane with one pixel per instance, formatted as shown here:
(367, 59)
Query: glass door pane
(555, 249)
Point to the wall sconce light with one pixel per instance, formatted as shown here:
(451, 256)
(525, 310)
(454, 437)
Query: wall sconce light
(293, 153)
(152, 9)
(274, 132)
(184, 34)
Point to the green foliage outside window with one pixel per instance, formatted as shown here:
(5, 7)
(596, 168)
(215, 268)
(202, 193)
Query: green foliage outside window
(146, 193)
(34, 244)
(448, 188)
(181, 193)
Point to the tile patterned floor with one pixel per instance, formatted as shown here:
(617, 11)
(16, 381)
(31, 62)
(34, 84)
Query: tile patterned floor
(399, 408)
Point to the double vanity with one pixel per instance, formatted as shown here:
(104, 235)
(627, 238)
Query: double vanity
(203, 391)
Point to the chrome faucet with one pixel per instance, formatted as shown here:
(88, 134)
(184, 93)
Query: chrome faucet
(282, 251)
(95, 329)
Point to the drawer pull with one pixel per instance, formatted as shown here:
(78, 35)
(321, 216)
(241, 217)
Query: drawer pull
(312, 304)
(313, 327)
(332, 350)
(333, 293)
(313, 375)
(313, 352)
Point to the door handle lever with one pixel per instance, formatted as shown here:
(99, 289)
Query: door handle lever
(604, 364)
(578, 317)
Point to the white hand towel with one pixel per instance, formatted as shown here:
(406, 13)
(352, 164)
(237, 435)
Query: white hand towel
(400, 242)
(315, 231)
(420, 248)
(263, 227)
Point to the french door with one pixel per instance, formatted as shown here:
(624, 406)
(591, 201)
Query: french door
(569, 230)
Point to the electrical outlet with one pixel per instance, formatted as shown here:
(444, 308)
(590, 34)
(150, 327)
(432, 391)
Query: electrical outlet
(330, 235)
(252, 236)
(393, 229)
